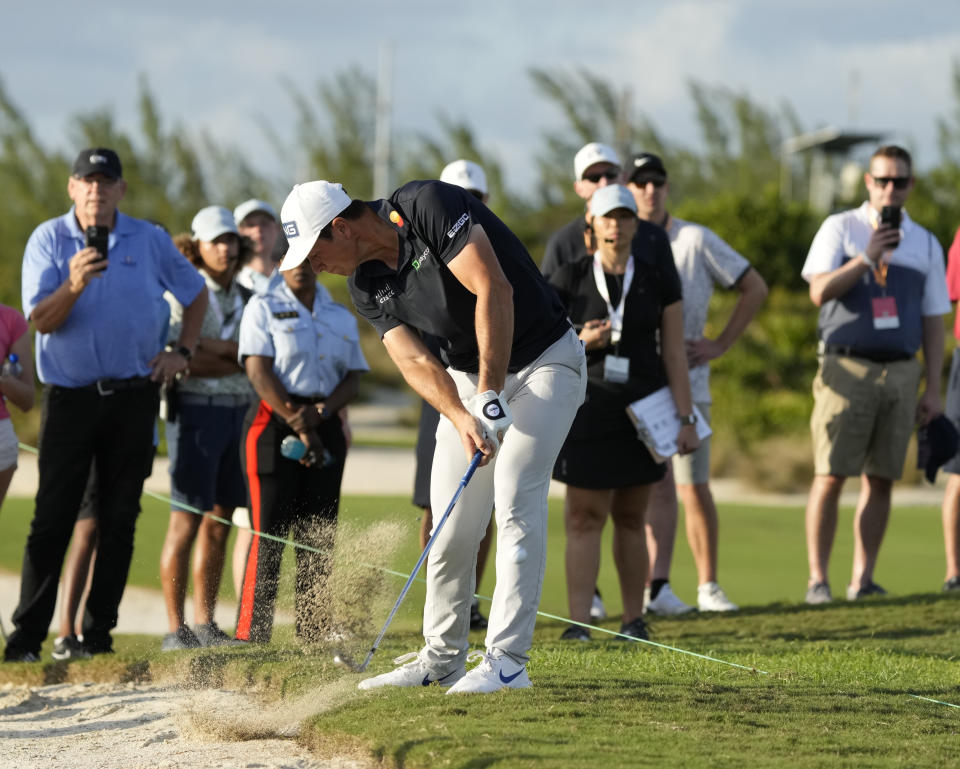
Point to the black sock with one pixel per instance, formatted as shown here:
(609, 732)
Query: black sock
(655, 586)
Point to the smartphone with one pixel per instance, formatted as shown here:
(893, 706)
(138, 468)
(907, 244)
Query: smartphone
(97, 236)
(891, 215)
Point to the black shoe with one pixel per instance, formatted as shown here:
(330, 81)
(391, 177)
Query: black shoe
(477, 620)
(210, 634)
(70, 648)
(867, 591)
(181, 638)
(636, 629)
(19, 655)
(575, 633)
(952, 585)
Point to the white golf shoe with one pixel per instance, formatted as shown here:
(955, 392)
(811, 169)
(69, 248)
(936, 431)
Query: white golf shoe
(710, 597)
(491, 675)
(666, 603)
(412, 672)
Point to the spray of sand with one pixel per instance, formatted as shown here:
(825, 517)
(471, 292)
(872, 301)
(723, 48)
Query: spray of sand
(339, 608)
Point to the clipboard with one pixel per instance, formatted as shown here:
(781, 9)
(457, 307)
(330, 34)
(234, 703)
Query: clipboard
(657, 422)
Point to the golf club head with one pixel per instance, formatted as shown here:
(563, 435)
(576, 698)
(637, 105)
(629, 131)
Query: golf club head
(343, 660)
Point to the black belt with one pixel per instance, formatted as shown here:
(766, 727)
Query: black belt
(110, 386)
(307, 400)
(876, 356)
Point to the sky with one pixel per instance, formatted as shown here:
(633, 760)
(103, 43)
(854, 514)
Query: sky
(219, 67)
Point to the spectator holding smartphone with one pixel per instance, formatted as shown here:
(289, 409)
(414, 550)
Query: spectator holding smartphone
(882, 292)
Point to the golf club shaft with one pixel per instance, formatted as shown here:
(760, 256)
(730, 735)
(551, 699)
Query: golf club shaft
(474, 463)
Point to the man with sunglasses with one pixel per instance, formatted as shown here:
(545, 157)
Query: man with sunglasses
(881, 290)
(703, 261)
(595, 165)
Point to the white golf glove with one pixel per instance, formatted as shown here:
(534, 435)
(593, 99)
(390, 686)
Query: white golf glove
(494, 415)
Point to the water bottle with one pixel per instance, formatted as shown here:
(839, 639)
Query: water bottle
(293, 448)
(11, 366)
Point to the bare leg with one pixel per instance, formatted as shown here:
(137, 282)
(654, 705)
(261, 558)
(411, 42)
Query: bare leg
(951, 525)
(426, 525)
(585, 512)
(628, 509)
(241, 549)
(76, 571)
(661, 527)
(822, 523)
(869, 525)
(208, 559)
(175, 562)
(5, 477)
(702, 528)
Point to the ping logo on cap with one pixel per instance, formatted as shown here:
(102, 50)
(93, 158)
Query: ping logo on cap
(492, 410)
(290, 229)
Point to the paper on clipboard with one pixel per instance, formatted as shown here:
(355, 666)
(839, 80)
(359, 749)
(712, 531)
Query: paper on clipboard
(658, 423)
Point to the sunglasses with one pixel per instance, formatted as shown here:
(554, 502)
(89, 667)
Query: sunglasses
(643, 181)
(899, 182)
(610, 176)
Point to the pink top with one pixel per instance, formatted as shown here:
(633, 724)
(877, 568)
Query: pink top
(12, 326)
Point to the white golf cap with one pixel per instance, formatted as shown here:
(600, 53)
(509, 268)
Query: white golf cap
(212, 222)
(591, 153)
(308, 209)
(466, 174)
(247, 207)
(610, 198)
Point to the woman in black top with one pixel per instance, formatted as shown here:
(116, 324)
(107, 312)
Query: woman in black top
(625, 301)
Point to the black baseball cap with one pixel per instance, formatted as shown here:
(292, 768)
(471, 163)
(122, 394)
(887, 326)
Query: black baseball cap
(647, 163)
(937, 443)
(97, 160)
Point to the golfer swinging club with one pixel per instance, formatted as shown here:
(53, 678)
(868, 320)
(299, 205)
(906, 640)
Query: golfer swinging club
(432, 257)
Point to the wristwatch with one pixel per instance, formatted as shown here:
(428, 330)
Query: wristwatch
(688, 419)
(181, 350)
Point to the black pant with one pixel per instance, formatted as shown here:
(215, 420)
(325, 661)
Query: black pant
(79, 426)
(287, 498)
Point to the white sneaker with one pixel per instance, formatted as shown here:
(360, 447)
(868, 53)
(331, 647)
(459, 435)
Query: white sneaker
(491, 675)
(710, 597)
(597, 610)
(413, 673)
(666, 603)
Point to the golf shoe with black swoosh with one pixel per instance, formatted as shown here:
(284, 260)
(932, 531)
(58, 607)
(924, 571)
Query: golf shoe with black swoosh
(412, 672)
(491, 675)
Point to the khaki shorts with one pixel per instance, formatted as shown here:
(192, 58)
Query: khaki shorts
(691, 469)
(863, 416)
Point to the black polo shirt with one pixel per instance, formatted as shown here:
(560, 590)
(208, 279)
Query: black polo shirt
(433, 220)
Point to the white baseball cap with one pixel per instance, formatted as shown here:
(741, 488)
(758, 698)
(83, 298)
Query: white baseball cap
(466, 174)
(212, 222)
(307, 210)
(247, 207)
(610, 198)
(591, 153)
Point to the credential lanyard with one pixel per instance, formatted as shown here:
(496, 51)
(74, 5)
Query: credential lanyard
(615, 314)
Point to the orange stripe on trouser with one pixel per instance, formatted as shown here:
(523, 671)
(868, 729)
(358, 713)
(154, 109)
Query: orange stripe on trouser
(260, 422)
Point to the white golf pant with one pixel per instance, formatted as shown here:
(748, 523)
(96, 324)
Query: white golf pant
(543, 397)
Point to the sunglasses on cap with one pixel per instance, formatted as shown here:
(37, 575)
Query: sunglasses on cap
(899, 182)
(610, 176)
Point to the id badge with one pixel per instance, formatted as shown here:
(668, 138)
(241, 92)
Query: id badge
(885, 313)
(616, 369)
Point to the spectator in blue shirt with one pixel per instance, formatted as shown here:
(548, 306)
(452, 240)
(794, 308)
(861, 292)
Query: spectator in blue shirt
(100, 360)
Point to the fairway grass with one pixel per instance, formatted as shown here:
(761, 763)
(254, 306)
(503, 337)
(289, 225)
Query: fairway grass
(840, 689)
(829, 686)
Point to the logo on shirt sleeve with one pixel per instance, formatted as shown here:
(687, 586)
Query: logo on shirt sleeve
(457, 227)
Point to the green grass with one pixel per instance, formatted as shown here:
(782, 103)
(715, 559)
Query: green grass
(837, 692)
(762, 551)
